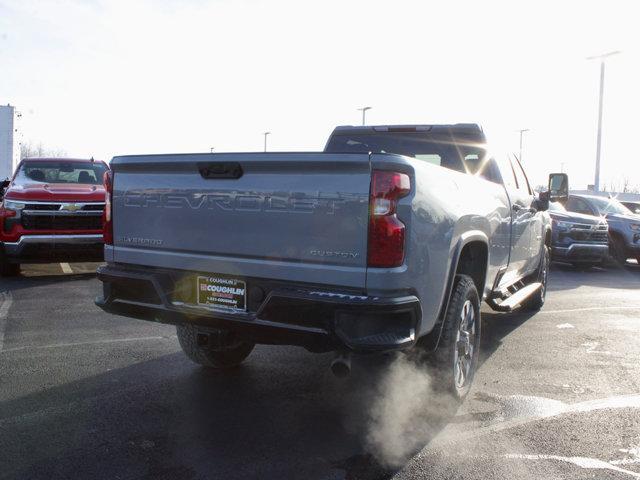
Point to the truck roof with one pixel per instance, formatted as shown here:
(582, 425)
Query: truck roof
(456, 127)
(472, 130)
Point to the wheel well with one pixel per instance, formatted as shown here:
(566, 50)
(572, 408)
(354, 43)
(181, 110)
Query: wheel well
(618, 236)
(473, 262)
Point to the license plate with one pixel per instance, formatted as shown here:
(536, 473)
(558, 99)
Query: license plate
(222, 293)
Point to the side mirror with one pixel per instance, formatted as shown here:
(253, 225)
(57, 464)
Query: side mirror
(3, 185)
(558, 187)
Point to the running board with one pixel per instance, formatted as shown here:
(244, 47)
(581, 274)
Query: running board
(515, 300)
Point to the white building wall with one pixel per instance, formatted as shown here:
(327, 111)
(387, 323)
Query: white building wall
(9, 141)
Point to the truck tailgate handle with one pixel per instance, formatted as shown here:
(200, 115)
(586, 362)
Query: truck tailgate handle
(219, 169)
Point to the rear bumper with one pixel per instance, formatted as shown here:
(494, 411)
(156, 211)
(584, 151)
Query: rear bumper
(580, 252)
(52, 248)
(319, 320)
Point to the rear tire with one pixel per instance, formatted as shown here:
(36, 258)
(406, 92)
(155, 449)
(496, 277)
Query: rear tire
(9, 269)
(227, 356)
(536, 301)
(456, 358)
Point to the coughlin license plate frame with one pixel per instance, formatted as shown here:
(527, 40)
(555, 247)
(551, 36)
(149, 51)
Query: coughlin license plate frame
(221, 293)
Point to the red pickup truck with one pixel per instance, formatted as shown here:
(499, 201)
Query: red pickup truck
(52, 212)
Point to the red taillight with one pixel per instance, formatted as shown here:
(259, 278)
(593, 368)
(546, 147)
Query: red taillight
(386, 231)
(107, 224)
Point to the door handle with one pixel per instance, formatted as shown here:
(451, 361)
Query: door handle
(210, 170)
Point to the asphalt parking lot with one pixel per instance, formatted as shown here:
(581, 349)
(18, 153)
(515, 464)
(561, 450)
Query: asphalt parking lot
(88, 395)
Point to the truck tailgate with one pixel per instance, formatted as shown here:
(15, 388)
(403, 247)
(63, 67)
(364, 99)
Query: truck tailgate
(288, 216)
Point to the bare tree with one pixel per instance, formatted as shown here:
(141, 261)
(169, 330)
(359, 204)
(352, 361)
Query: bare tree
(29, 149)
(621, 186)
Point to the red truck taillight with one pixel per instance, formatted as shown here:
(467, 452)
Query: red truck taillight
(107, 223)
(386, 232)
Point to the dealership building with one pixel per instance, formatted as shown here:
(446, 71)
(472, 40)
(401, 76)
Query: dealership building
(9, 140)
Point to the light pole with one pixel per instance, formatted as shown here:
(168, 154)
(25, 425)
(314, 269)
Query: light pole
(596, 185)
(521, 132)
(265, 140)
(363, 110)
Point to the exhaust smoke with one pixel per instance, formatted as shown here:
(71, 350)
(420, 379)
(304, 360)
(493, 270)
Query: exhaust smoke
(405, 412)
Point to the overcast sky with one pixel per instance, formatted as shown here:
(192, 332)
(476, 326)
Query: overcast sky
(105, 78)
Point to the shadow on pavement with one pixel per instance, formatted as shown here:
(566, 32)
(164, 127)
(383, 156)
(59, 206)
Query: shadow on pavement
(567, 277)
(9, 284)
(495, 327)
(282, 415)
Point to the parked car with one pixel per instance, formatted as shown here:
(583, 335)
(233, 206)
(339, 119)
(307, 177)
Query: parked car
(633, 206)
(51, 212)
(582, 240)
(624, 226)
(388, 240)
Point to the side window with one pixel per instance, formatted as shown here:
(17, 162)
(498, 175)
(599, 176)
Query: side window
(506, 170)
(578, 205)
(523, 184)
(479, 164)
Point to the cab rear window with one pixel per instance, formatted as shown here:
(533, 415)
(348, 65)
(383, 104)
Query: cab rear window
(445, 151)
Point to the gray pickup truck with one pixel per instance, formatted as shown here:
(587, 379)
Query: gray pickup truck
(387, 240)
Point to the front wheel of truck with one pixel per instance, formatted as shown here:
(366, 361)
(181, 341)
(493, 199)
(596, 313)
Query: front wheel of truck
(226, 354)
(536, 301)
(456, 358)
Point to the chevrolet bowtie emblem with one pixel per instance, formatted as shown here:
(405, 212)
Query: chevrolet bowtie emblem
(71, 207)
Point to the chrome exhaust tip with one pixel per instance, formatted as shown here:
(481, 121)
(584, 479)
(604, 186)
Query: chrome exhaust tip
(341, 365)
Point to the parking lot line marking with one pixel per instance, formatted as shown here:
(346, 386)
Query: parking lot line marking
(588, 309)
(582, 462)
(613, 402)
(5, 303)
(94, 342)
(66, 268)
